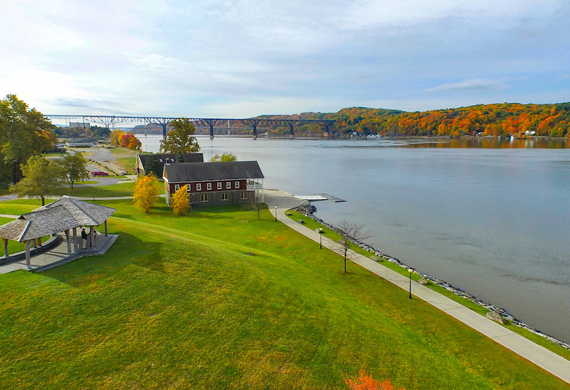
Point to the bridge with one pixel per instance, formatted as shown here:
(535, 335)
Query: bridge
(254, 123)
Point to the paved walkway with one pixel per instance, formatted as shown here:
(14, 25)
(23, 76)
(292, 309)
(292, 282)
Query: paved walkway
(549, 361)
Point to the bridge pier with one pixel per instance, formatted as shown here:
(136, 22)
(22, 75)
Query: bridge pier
(291, 129)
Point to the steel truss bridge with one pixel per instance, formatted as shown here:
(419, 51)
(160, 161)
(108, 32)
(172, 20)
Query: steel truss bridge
(210, 123)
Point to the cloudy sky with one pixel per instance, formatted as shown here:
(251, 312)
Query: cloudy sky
(244, 58)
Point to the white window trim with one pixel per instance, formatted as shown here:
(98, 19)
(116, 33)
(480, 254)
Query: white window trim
(219, 185)
(243, 195)
(228, 185)
(225, 196)
(237, 184)
(188, 188)
(209, 186)
(176, 187)
(204, 198)
(199, 187)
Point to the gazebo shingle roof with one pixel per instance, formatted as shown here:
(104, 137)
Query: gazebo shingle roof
(61, 215)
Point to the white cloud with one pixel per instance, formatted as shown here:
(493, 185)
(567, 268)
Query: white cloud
(471, 85)
(273, 56)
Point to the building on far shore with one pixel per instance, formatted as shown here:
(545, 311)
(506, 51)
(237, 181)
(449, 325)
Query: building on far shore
(164, 158)
(214, 183)
(82, 142)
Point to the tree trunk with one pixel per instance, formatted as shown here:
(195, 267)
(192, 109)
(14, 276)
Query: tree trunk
(43, 201)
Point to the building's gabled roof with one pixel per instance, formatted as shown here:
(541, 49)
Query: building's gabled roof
(188, 157)
(211, 171)
(59, 216)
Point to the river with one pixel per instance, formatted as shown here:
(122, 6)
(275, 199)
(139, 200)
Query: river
(492, 218)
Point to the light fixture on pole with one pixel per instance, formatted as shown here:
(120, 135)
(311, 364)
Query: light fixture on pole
(275, 213)
(410, 271)
(321, 232)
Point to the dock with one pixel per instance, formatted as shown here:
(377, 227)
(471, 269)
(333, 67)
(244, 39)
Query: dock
(319, 197)
(333, 199)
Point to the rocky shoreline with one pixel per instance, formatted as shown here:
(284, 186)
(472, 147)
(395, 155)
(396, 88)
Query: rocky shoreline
(308, 210)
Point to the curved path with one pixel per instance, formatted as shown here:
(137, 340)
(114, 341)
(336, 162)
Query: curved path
(542, 357)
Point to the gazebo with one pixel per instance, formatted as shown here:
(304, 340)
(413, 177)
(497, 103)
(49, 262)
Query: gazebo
(64, 215)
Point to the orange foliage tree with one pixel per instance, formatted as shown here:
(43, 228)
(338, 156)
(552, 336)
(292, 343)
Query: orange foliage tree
(366, 382)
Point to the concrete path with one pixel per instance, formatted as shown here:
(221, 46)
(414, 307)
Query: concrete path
(549, 361)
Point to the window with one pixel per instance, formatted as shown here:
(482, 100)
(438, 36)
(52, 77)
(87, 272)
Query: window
(209, 185)
(229, 185)
(188, 187)
(237, 184)
(244, 195)
(204, 198)
(199, 187)
(225, 196)
(176, 187)
(219, 185)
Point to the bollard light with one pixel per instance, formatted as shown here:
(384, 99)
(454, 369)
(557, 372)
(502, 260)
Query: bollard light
(321, 232)
(410, 271)
(275, 213)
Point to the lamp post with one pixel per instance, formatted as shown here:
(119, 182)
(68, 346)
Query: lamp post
(275, 213)
(410, 272)
(321, 232)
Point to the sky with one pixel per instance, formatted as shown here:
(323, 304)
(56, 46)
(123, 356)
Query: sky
(237, 59)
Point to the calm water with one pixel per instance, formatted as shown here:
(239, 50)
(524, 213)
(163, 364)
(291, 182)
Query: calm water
(489, 218)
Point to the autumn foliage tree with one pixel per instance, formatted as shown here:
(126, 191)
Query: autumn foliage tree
(180, 201)
(125, 139)
(366, 382)
(145, 194)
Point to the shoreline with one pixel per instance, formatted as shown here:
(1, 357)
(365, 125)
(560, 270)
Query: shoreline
(441, 283)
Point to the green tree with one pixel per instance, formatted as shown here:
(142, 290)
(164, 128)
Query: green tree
(179, 157)
(75, 167)
(180, 201)
(153, 166)
(41, 179)
(24, 133)
(145, 194)
(225, 157)
(180, 138)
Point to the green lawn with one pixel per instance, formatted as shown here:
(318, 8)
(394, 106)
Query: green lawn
(180, 302)
(312, 224)
(119, 189)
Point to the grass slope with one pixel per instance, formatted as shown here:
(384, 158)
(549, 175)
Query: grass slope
(178, 302)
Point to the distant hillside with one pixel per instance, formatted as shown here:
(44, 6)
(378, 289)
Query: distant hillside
(491, 119)
(504, 119)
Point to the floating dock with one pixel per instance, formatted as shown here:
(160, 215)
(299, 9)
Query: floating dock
(319, 197)
(333, 199)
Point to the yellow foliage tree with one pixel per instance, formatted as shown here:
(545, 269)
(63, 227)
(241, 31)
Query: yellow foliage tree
(145, 194)
(180, 201)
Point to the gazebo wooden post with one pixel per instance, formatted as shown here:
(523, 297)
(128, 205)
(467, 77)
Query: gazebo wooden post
(28, 264)
(91, 237)
(6, 254)
(106, 228)
(67, 235)
(75, 239)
